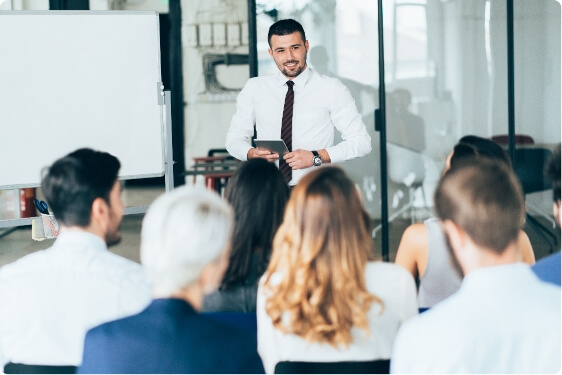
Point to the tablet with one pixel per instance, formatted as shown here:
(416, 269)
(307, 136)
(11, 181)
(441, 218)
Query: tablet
(274, 145)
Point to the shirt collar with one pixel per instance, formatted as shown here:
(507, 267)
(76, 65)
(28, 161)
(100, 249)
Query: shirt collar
(75, 236)
(300, 80)
(490, 277)
(173, 305)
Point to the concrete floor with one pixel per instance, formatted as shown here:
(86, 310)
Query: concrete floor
(17, 242)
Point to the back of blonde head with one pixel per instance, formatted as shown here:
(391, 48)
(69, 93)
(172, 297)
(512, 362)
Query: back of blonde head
(321, 250)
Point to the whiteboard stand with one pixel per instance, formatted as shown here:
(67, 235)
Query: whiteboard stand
(168, 151)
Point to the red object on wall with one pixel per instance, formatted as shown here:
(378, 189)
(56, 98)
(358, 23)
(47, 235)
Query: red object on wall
(27, 207)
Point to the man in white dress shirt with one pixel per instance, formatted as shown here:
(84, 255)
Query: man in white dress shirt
(503, 319)
(49, 299)
(321, 106)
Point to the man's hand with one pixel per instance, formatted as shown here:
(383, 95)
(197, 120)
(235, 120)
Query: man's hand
(262, 153)
(299, 159)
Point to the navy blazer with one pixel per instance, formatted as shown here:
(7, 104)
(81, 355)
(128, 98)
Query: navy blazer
(169, 336)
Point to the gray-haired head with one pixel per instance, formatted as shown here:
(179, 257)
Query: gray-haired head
(184, 231)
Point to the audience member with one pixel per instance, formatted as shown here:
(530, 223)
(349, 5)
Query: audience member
(403, 126)
(548, 269)
(258, 193)
(321, 299)
(50, 298)
(502, 319)
(184, 247)
(423, 249)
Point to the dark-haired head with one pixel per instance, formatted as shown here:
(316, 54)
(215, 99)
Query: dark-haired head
(471, 148)
(258, 193)
(285, 27)
(73, 182)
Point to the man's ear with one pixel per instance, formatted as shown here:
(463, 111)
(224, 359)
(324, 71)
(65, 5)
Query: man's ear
(306, 45)
(270, 52)
(100, 211)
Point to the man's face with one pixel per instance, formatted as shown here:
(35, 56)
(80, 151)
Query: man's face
(289, 53)
(113, 234)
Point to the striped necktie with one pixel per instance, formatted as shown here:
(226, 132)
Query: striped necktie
(287, 130)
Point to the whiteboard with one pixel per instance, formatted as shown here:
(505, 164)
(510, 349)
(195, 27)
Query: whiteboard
(79, 79)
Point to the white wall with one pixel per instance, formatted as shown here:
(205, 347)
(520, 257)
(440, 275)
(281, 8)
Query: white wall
(24, 4)
(480, 90)
(208, 114)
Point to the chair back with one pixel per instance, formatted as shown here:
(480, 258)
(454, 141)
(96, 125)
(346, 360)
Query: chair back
(520, 139)
(380, 366)
(529, 165)
(19, 368)
(405, 166)
(219, 152)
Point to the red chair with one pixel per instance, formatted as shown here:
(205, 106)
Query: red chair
(520, 139)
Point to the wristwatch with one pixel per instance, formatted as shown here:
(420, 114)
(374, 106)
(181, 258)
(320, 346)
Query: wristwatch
(316, 160)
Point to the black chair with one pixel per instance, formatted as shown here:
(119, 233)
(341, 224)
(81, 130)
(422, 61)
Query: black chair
(18, 368)
(220, 183)
(380, 366)
(529, 166)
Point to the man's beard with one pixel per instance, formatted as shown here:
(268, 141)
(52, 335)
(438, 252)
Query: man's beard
(113, 234)
(113, 238)
(293, 73)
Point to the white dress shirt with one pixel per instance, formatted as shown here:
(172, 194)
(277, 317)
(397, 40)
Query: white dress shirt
(322, 105)
(502, 320)
(50, 298)
(391, 283)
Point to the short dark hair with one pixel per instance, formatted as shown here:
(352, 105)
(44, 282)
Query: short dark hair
(258, 193)
(552, 172)
(485, 199)
(73, 182)
(285, 27)
(471, 147)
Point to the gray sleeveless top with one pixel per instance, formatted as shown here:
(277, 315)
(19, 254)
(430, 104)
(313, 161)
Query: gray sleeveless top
(441, 278)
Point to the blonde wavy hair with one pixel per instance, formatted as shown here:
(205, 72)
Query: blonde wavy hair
(321, 251)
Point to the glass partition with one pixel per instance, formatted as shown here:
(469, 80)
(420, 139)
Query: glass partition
(446, 76)
(537, 97)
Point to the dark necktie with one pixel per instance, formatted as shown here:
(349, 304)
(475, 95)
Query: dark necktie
(287, 131)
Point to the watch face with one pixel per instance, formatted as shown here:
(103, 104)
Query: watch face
(317, 160)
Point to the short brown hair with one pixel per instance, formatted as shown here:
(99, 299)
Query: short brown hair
(485, 200)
